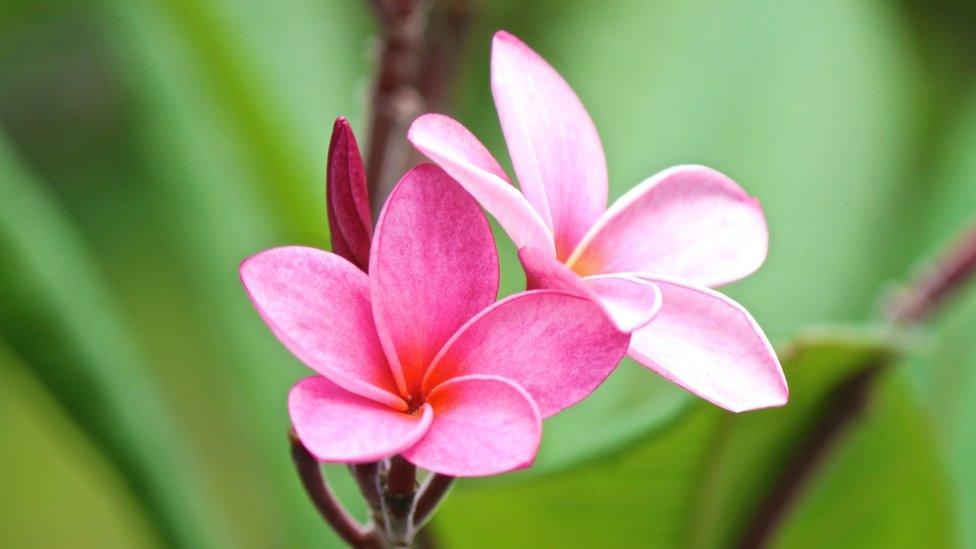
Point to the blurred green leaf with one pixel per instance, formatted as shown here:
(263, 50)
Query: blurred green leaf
(698, 483)
(57, 486)
(885, 486)
(58, 316)
(752, 448)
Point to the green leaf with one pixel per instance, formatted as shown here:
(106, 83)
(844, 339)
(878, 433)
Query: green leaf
(698, 483)
(885, 486)
(62, 486)
(59, 318)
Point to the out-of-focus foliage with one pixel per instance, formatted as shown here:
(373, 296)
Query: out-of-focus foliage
(155, 143)
(57, 315)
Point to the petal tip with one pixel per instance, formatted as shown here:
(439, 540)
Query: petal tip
(505, 36)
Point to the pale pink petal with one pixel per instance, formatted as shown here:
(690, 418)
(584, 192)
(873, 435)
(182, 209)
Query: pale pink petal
(554, 145)
(687, 222)
(630, 302)
(347, 201)
(711, 346)
(338, 426)
(433, 266)
(451, 145)
(556, 345)
(483, 425)
(317, 304)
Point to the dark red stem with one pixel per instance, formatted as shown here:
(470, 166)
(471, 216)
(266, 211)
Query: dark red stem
(396, 100)
(317, 488)
(936, 282)
(431, 494)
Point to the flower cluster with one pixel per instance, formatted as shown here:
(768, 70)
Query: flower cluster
(413, 354)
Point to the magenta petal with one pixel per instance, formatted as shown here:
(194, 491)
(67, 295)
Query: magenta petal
(338, 426)
(687, 222)
(317, 304)
(554, 145)
(433, 267)
(483, 425)
(711, 346)
(450, 145)
(347, 201)
(628, 301)
(558, 346)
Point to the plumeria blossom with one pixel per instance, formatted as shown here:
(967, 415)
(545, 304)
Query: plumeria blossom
(416, 358)
(680, 233)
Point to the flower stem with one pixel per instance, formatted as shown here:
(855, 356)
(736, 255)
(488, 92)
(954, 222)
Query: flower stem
(395, 100)
(419, 53)
(317, 488)
(399, 492)
(431, 494)
(936, 282)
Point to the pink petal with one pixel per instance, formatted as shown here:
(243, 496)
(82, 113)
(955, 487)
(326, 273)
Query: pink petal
(628, 301)
(552, 141)
(687, 222)
(483, 425)
(711, 346)
(451, 145)
(317, 304)
(347, 201)
(433, 266)
(558, 346)
(338, 426)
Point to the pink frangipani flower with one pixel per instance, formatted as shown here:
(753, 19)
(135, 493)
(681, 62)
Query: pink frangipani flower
(415, 358)
(681, 232)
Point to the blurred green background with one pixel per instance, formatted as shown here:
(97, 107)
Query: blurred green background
(147, 146)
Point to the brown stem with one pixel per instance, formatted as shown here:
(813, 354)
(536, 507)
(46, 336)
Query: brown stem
(399, 491)
(317, 488)
(395, 100)
(936, 282)
(367, 477)
(844, 404)
(430, 496)
(446, 35)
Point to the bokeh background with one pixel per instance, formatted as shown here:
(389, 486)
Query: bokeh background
(147, 146)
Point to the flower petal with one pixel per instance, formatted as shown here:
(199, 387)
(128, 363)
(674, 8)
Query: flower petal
(451, 145)
(711, 346)
(317, 304)
(628, 301)
(554, 145)
(433, 266)
(347, 201)
(338, 426)
(558, 346)
(687, 222)
(483, 425)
